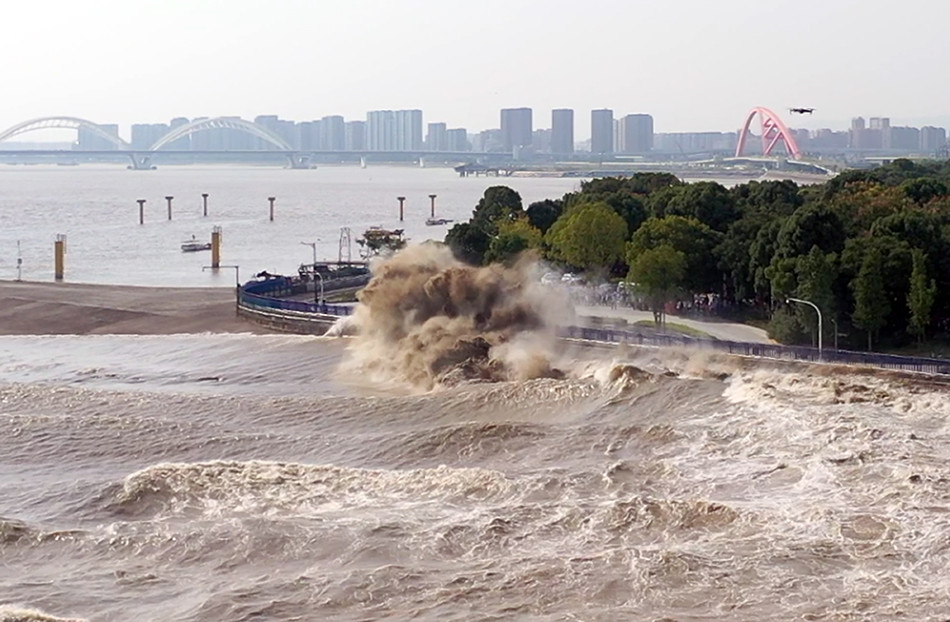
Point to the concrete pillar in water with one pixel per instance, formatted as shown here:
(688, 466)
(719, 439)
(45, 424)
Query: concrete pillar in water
(169, 199)
(59, 251)
(272, 199)
(204, 203)
(432, 198)
(141, 203)
(402, 201)
(216, 247)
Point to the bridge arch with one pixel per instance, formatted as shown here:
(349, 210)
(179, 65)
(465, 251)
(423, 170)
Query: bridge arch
(229, 123)
(70, 123)
(773, 130)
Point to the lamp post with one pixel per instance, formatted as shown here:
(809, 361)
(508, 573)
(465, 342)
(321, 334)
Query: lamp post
(237, 282)
(320, 279)
(817, 310)
(317, 275)
(312, 245)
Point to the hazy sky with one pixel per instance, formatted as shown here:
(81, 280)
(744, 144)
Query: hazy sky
(693, 64)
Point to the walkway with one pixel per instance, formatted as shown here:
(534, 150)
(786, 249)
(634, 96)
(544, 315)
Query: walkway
(728, 331)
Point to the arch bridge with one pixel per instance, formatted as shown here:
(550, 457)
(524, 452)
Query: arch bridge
(141, 159)
(773, 131)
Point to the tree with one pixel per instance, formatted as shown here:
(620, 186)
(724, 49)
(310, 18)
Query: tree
(617, 193)
(810, 225)
(468, 242)
(871, 306)
(498, 203)
(589, 236)
(775, 197)
(695, 240)
(513, 238)
(922, 189)
(658, 273)
(707, 201)
(543, 214)
(817, 273)
(921, 298)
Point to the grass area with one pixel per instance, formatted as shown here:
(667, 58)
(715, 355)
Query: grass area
(933, 348)
(673, 327)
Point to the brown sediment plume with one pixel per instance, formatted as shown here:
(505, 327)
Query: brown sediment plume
(428, 319)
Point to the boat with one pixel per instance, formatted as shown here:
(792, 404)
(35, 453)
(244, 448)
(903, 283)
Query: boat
(438, 221)
(194, 245)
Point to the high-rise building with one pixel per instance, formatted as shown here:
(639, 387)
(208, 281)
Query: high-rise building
(144, 135)
(332, 133)
(636, 132)
(308, 135)
(387, 130)
(541, 141)
(355, 136)
(437, 137)
(408, 130)
(286, 130)
(932, 139)
(562, 131)
(183, 143)
(902, 138)
(457, 140)
(602, 131)
(92, 141)
(380, 130)
(516, 128)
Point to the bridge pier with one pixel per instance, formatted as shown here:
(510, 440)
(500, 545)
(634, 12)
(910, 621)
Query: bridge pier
(300, 160)
(140, 162)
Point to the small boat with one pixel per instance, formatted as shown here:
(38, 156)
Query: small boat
(193, 245)
(438, 221)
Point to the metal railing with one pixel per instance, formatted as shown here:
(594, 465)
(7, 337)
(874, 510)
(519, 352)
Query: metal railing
(266, 296)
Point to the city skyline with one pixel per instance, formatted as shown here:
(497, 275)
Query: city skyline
(402, 131)
(694, 66)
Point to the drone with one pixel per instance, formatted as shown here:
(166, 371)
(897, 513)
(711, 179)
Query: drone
(802, 110)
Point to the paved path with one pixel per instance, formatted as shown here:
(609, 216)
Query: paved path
(728, 331)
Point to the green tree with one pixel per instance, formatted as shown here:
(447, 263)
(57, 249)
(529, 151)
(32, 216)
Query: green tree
(616, 192)
(543, 214)
(922, 189)
(810, 225)
(816, 274)
(871, 306)
(707, 201)
(498, 203)
(921, 298)
(468, 242)
(695, 240)
(514, 237)
(775, 197)
(658, 273)
(590, 236)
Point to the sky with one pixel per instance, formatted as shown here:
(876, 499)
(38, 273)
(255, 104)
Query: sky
(695, 65)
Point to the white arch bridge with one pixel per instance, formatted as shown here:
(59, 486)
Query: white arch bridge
(142, 158)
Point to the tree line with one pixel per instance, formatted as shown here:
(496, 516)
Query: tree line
(870, 248)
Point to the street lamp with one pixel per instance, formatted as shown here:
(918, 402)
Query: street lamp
(817, 310)
(317, 275)
(312, 245)
(320, 278)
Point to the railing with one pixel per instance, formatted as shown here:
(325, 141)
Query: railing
(763, 350)
(264, 297)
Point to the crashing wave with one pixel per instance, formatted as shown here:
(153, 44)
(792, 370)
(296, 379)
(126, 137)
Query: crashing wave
(428, 319)
(12, 613)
